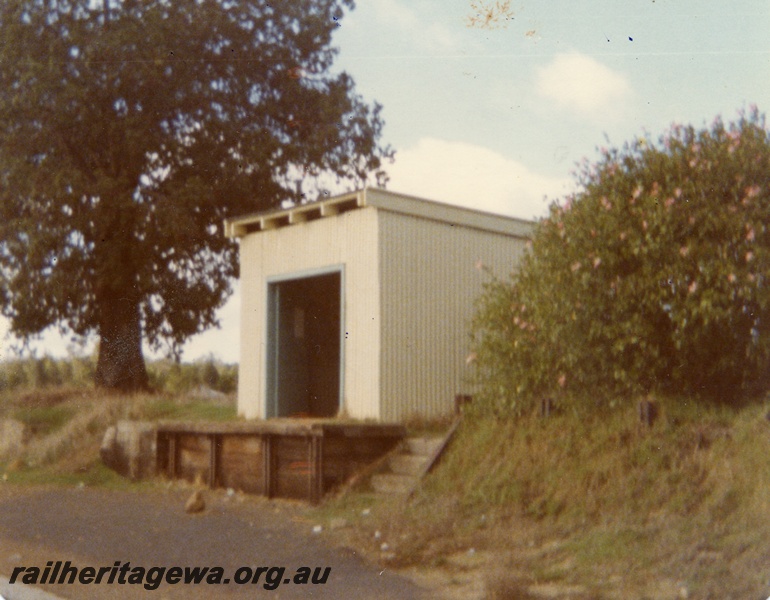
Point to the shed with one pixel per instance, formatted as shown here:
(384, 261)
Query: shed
(359, 305)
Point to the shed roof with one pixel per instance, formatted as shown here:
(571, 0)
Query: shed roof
(383, 200)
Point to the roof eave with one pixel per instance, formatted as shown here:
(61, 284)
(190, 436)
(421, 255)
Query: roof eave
(383, 200)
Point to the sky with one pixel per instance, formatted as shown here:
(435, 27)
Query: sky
(491, 105)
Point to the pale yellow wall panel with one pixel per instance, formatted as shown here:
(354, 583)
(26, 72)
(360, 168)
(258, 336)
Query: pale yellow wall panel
(430, 281)
(349, 239)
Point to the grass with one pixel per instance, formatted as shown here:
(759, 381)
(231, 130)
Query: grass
(63, 429)
(171, 408)
(94, 474)
(44, 420)
(596, 499)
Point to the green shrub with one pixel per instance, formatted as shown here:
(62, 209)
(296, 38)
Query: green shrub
(652, 278)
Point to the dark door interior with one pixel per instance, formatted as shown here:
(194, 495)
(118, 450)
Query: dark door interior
(304, 348)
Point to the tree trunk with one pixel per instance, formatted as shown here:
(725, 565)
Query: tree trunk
(120, 365)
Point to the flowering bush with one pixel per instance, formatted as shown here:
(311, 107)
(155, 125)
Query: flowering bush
(653, 277)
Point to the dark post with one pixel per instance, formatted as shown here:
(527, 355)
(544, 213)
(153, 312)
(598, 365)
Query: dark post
(461, 401)
(648, 412)
(267, 465)
(315, 473)
(215, 443)
(546, 407)
(172, 455)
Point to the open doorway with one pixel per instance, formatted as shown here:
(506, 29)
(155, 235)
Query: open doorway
(304, 346)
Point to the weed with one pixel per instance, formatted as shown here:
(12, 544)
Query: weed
(630, 504)
(43, 420)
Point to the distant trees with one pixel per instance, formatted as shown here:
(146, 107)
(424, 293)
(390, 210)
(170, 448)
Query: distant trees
(653, 277)
(45, 372)
(36, 373)
(129, 129)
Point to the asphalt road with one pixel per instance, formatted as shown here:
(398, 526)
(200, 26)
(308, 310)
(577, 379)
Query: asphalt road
(148, 529)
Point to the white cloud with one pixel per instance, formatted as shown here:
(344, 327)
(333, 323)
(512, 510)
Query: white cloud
(394, 13)
(472, 176)
(433, 37)
(577, 82)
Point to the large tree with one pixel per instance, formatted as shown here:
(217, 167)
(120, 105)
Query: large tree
(653, 277)
(129, 129)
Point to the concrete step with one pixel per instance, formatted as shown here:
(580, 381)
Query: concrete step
(423, 446)
(407, 464)
(391, 483)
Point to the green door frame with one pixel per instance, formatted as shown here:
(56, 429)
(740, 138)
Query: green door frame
(272, 331)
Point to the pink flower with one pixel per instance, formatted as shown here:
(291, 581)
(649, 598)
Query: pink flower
(684, 250)
(637, 192)
(750, 233)
(692, 287)
(678, 192)
(669, 202)
(749, 256)
(575, 266)
(470, 358)
(562, 380)
(597, 262)
(731, 278)
(752, 191)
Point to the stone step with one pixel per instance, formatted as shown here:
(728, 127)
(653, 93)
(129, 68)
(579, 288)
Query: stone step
(423, 446)
(407, 464)
(391, 483)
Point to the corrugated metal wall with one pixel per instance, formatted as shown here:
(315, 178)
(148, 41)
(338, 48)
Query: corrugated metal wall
(430, 280)
(349, 239)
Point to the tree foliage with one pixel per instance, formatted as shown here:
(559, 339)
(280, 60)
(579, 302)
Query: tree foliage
(129, 129)
(653, 277)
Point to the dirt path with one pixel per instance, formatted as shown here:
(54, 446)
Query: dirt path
(92, 527)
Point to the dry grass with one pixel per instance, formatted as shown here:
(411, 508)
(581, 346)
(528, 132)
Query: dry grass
(64, 429)
(593, 506)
